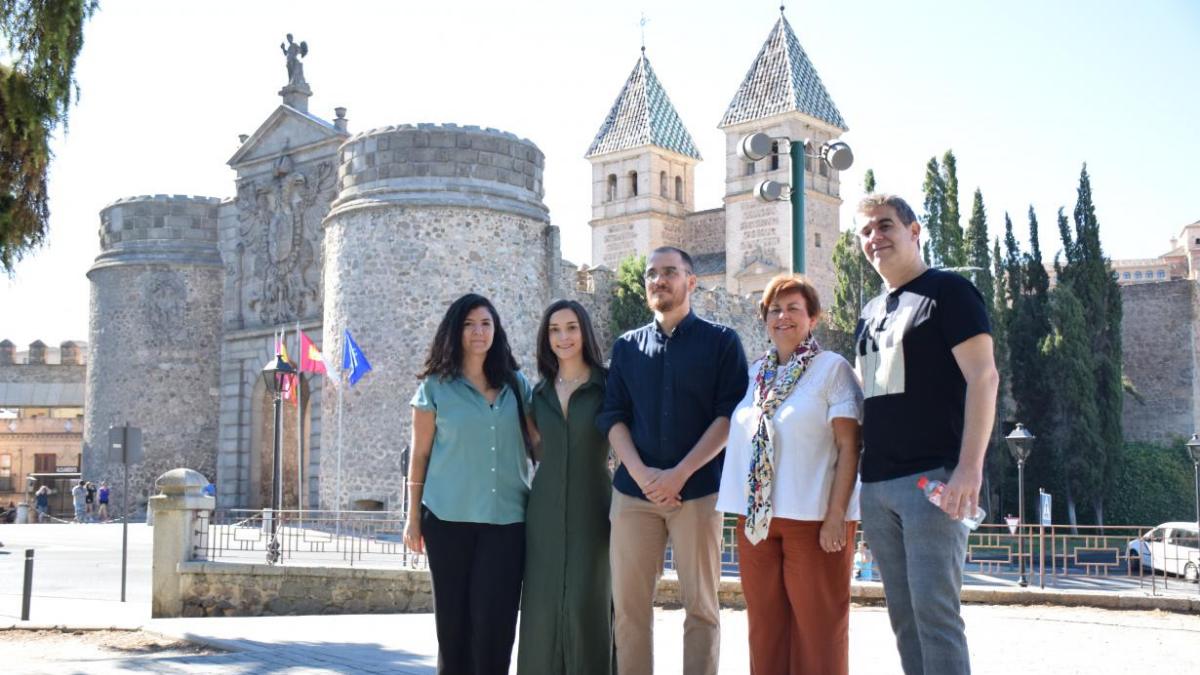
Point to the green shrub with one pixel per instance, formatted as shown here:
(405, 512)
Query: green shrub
(1155, 485)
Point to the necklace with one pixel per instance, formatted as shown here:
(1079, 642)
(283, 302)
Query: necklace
(577, 380)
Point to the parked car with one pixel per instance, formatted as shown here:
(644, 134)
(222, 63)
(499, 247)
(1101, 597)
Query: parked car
(1173, 548)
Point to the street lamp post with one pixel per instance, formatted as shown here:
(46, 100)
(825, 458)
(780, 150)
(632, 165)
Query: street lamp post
(1193, 448)
(758, 145)
(274, 374)
(1020, 444)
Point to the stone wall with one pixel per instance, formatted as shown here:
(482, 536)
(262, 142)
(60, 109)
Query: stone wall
(154, 338)
(705, 232)
(240, 589)
(424, 215)
(1159, 339)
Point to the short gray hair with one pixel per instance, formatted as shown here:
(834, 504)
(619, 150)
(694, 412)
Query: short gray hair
(877, 200)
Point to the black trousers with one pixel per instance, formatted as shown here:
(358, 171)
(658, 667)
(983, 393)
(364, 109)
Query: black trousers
(477, 570)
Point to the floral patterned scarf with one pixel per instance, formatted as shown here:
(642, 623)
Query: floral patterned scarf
(772, 386)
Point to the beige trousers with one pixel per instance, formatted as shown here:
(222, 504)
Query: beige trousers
(640, 530)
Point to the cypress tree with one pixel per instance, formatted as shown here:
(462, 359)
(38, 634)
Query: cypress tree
(976, 249)
(954, 252)
(869, 181)
(856, 283)
(1033, 383)
(1076, 441)
(935, 198)
(1100, 295)
(629, 309)
(997, 462)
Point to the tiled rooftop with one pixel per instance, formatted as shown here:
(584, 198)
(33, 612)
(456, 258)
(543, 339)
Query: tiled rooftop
(781, 80)
(643, 115)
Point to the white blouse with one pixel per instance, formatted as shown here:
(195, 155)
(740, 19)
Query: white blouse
(805, 453)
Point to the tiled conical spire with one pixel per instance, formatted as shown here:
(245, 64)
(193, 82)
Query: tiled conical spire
(782, 80)
(643, 115)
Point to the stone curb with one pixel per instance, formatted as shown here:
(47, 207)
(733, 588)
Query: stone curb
(730, 594)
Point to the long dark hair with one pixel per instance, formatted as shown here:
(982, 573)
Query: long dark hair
(445, 358)
(547, 362)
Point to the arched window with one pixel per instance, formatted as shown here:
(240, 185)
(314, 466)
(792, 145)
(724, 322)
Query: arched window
(633, 190)
(749, 168)
(662, 184)
(678, 189)
(774, 155)
(612, 187)
(817, 239)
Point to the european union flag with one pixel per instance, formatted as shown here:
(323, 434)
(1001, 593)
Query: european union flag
(353, 360)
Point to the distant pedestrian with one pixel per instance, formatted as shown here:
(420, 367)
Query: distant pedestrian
(103, 508)
(89, 501)
(41, 501)
(79, 499)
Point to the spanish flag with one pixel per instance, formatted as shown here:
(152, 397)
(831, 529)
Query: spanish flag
(311, 360)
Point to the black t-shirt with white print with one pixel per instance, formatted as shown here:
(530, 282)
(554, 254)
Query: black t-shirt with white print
(914, 391)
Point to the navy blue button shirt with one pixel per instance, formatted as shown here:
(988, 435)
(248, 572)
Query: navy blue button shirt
(668, 390)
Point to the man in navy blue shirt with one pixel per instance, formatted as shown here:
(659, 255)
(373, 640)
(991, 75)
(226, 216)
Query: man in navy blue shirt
(672, 386)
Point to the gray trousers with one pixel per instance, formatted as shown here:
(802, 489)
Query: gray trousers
(920, 553)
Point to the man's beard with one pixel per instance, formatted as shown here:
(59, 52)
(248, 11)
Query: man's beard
(664, 303)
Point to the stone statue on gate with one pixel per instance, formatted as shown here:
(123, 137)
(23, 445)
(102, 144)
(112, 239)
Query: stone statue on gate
(294, 52)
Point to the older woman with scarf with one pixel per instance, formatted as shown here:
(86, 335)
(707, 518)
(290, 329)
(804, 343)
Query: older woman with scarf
(791, 469)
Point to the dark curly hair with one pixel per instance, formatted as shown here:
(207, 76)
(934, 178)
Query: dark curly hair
(445, 358)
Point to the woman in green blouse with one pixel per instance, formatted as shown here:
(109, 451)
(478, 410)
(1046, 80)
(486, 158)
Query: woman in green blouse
(566, 605)
(470, 474)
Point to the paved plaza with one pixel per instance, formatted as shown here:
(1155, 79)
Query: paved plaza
(77, 584)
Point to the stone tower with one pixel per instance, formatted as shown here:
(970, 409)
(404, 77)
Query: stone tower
(423, 215)
(154, 339)
(643, 172)
(781, 95)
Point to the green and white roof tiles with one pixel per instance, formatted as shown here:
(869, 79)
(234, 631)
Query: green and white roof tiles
(782, 80)
(643, 115)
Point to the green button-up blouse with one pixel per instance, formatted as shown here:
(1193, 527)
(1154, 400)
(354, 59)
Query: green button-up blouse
(479, 471)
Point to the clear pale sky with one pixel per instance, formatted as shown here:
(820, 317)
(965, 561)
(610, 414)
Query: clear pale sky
(1023, 91)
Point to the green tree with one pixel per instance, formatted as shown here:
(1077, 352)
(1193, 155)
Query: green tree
(1032, 381)
(954, 251)
(869, 181)
(856, 283)
(1088, 275)
(37, 85)
(935, 198)
(997, 463)
(629, 309)
(977, 255)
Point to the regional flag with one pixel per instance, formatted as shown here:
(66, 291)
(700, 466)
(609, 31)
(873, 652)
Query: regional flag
(289, 390)
(311, 360)
(353, 359)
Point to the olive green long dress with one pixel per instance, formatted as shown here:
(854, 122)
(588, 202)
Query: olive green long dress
(566, 604)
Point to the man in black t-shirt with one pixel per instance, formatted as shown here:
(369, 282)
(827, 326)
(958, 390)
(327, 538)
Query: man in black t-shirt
(924, 354)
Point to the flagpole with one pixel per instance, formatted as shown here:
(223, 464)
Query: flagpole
(299, 425)
(338, 496)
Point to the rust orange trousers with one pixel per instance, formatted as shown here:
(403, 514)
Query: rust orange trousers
(797, 599)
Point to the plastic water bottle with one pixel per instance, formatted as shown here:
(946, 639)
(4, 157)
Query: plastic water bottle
(933, 492)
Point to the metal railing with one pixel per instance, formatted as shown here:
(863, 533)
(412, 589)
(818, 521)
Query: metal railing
(314, 538)
(1054, 556)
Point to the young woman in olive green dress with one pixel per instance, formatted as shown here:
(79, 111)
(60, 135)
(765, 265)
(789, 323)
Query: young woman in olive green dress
(566, 604)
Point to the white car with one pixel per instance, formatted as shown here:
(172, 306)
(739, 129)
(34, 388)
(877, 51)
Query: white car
(1173, 548)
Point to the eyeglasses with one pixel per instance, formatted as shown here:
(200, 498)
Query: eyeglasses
(652, 275)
